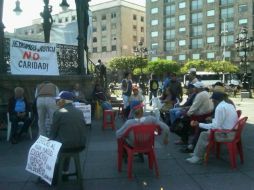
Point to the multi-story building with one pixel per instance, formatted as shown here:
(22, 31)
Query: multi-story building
(196, 29)
(118, 26)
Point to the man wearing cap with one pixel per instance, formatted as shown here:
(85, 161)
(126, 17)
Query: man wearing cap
(225, 118)
(137, 108)
(69, 126)
(201, 108)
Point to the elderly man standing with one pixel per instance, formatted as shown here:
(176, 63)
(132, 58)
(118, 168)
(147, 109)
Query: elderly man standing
(225, 118)
(69, 126)
(46, 104)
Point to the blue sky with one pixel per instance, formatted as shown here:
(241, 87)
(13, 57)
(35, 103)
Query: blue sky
(32, 11)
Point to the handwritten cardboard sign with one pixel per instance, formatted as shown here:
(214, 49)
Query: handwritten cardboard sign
(42, 158)
(86, 109)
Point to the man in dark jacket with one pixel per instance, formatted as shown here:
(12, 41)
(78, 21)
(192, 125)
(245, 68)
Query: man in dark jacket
(68, 125)
(18, 109)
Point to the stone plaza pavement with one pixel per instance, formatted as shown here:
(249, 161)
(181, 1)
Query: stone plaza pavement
(99, 164)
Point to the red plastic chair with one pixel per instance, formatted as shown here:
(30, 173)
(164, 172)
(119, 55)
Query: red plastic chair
(108, 119)
(234, 146)
(143, 143)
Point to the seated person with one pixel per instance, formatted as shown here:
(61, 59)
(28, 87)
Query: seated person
(135, 96)
(19, 112)
(69, 126)
(100, 96)
(167, 99)
(182, 109)
(78, 94)
(225, 118)
(139, 119)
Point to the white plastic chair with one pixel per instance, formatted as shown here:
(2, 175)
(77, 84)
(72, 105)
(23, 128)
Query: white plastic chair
(20, 123)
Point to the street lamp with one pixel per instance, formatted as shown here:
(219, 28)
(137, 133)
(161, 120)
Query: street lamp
(82, 21)
(243, 45)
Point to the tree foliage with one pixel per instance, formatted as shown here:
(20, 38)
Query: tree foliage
(213, 66)
(129, 63)
(160, 66)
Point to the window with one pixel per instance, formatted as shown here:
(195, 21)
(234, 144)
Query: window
(243, 21)
(182, 57)
(210, 55)
(195, 56)
(95, 50)
(113, 15)
(103, 28)
(169, 58)
(197, 43)
(113, 26)
(210, 40)
(182, 42)
(134, 38)
(210, 13)
(73, 17)
(154, 22)
(154, 0)
(210, 1)
(170, 34)
(94, 39)
(242, 8)
(94, 18)
(210, 26)
(196, 30)
(196, 17)
(104, 39)
(154, 58)
(142, 19)
(154, 45)
(182, 17)
(182, 30)
(142, 29)
(66, 19)
(170, 22)
(103, 17)
(170, 46)
(229, 26)
(60, 20)
(227, 12)
(154, 34)
(134, 27)
(229, 40)
(104, 48)
(134, 17)
(154, 10)
(113, 47)
(170, 10)
(226, 2)
(182, 5)
(196, 4)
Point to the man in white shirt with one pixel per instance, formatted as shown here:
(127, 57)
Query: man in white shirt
(225, 118)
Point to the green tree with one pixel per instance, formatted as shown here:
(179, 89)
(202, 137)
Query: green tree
(222, 67)
(199, 64)
(160, 66)
(129, 63)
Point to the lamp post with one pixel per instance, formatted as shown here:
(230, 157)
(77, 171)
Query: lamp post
(141, 52)
(244, 44)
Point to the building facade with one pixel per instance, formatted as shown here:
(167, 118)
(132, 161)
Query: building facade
(117, 28)
(197, 29)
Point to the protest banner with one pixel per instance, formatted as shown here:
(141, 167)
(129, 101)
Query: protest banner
(42, 158)
(86, 109)
(33, 58)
